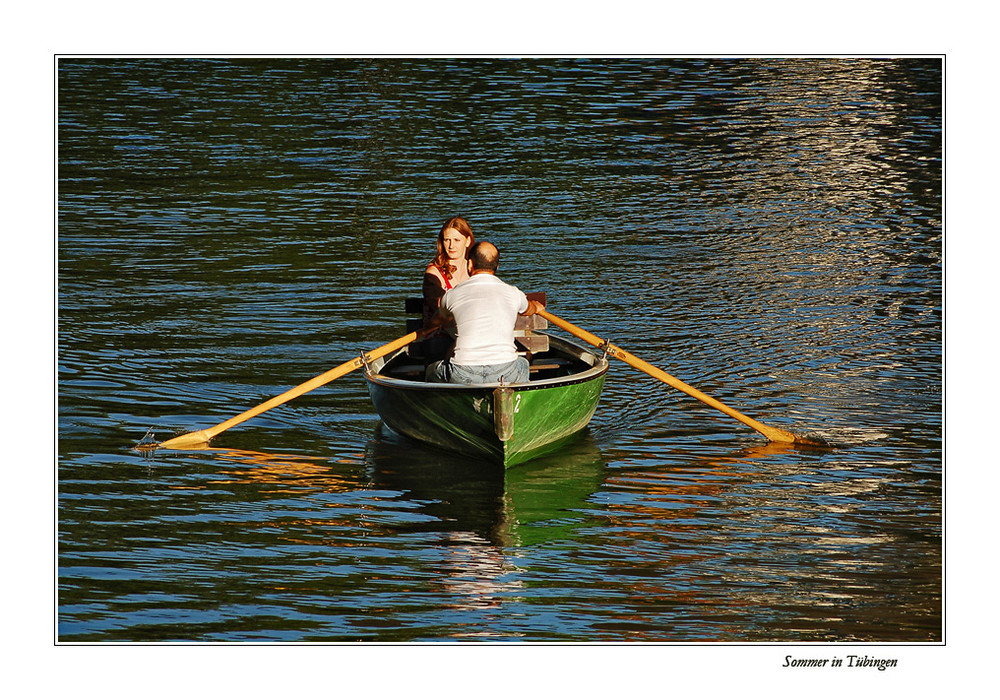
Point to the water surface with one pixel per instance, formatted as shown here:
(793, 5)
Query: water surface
(767, 230)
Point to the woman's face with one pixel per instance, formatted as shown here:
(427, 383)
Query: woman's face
(455, 244)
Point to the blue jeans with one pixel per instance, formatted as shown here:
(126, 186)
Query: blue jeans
(514, 372)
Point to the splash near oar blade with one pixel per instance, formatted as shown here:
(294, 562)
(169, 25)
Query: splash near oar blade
(200, 438)
(771, 433)
(148, 442)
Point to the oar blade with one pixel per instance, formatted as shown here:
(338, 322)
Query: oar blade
(783, 436)
(187, 441)
(813, 441)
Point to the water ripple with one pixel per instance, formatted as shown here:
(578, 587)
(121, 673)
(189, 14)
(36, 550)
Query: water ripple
(766, 230)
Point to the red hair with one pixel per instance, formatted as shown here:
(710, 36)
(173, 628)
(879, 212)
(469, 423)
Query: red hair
(441, 261)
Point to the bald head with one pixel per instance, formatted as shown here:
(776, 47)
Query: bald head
(485, 256)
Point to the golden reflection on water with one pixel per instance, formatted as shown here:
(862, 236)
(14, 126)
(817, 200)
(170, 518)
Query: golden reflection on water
(758, 554)
(278, 468)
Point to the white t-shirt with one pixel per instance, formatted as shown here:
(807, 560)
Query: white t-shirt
(485, 309)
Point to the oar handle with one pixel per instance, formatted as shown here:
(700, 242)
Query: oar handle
(201, 437)
(771, 433)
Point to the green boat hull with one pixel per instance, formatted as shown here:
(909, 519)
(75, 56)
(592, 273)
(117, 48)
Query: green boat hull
(506, 425)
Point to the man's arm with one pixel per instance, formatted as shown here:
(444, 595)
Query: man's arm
(441, 318)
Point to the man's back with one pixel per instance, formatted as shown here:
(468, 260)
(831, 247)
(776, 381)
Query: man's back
(485, 310)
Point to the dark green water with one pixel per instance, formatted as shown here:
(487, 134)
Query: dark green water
(767, 230)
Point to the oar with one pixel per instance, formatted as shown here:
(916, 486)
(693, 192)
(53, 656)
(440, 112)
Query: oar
(771, 433)
(201, 437)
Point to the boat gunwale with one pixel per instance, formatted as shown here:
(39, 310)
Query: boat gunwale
(600, 366)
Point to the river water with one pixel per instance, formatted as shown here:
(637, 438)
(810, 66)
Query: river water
(767, 230)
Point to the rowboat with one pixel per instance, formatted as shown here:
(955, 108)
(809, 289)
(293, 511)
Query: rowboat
(506, 424)
(528, 420)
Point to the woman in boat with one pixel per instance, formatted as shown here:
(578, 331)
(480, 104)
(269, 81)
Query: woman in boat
(450, 267)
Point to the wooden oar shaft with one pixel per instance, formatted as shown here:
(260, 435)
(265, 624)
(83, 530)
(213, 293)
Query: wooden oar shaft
(771, 433)
(200, 437)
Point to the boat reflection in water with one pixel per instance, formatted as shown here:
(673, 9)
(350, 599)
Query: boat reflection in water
(482, 515)
(528, 504)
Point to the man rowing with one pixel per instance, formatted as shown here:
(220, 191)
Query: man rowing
(484, 310)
